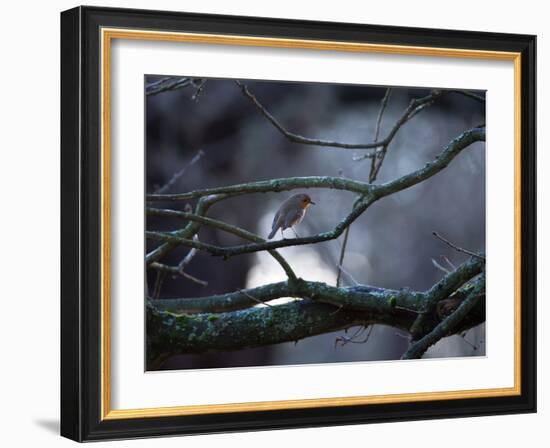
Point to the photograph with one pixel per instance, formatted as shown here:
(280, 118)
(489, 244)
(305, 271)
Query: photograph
(273, 223)
(291, 223)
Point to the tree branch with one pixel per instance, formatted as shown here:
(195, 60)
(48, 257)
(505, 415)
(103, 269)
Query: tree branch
(414, 107)
(408, 114)
(360, 297)
(469, 94)
(175, 270)
(455, 247)
(227, 252)
(171, 83)
(167, 84)
(269, 186)
(372, 193)
(440, 291)
(233, 323)
(189, 231)
(372, 176)
(431, 168)
(214, 250)
(449, 324)
(170, 334)
(340, 266)
(166, 187)
(338, 183)
(379, 155)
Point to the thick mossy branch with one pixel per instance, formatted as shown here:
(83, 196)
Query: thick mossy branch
(221, 303)
(171, 334)
(362, 297)
(232, 322)
(252, 327)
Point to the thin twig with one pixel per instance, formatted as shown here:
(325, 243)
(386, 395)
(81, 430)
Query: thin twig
(410, 310)
(338, 309)
(448, 262)
(193, 278)
(166, 187)
(342, 254)
(199, 85)
(473, 346)
(415, 106)
(469, 94)
(158, 284)
(190, 255)
(341, 269)
(176, 271)
(343, 340)
(181, 266)
(457, 248)
(343, 249)
(373, 167)
(438, 266)
(383, 105)
(251, 297)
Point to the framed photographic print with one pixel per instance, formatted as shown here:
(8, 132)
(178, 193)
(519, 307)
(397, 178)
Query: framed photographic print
(274, 224)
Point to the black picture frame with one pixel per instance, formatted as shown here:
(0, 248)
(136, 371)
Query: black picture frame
(81, 224)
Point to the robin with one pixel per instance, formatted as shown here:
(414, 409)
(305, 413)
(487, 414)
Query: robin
(290, 213)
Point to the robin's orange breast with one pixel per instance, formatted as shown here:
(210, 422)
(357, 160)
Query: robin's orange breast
(294, 218)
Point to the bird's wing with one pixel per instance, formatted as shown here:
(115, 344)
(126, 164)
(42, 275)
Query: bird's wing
(276, 221)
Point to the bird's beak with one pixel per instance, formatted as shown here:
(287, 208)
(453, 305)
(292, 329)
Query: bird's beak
(312, 203)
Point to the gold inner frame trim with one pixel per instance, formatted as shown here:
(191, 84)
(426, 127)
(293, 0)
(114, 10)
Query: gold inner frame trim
(107, 34)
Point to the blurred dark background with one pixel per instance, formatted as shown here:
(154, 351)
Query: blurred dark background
(391, 245)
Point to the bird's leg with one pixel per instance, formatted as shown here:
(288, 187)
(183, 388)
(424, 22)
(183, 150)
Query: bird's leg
(282, 233)
(297, 236)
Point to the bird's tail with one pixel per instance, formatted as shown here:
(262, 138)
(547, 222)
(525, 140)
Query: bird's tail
(272, 233)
